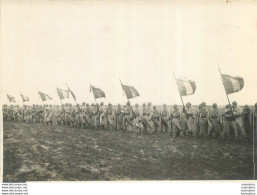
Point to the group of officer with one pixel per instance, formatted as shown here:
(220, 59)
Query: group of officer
(230, 123)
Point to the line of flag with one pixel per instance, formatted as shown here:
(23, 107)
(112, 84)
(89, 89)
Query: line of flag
(185, 87)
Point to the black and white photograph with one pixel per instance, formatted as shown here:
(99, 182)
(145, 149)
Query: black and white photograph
(128, 90)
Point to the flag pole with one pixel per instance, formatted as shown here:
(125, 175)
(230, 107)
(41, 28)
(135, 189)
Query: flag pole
(226, 95)
(40, 97)
(92, 92)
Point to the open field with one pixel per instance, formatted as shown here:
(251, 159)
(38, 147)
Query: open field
(32, 152)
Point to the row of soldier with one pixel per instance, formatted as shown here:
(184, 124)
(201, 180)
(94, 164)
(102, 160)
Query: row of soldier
(231, 123)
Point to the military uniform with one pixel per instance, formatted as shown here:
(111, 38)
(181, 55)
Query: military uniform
(176, 123)
(77, 116)
(102, 112)
(189, 119)
(119, 117)
(110, 117)
(203, 122)
(246, 116)
(229, 124)
(165, 119)
(148, 117)
(237, 112)
(215, 119)
(95, 116)
(128, 120)
(49, 115)
(138, 119)
(156, 119)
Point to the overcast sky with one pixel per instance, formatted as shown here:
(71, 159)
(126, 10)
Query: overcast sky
(45, 45)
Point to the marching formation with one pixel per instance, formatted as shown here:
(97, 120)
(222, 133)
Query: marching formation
(201, 122)
(229, 123)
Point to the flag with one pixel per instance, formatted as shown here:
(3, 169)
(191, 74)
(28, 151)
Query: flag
(130, 91)
(73, 95)
(44, 96)
(10, 98)
(24, 98)
(62, 93)
(232, 84)
(98, 93)
(186, 87)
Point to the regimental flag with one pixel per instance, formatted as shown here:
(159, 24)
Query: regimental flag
(73, 95)
(24, 98)
(10, 98)
(98, 93)
(130, 91)
(62, 93)
(186, 87)
(232, 84)
(44, 96)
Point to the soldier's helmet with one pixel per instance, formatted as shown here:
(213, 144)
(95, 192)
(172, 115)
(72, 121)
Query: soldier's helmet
(214, 105)
(175, 106)
(97, 105)
(67, 104)
(102, 104)
(128, 103)
(234, 103)
(144, 104)
(200, 106)
(164, 105)
(118, 104)
(109, 104)
(50, 105)
(70, 105)
(203, 103)
(154, 107)
(227, 106)
(92, 104)
(188, 104)
(83, 103)
(149, 104)
(87, 104)
(136, 104)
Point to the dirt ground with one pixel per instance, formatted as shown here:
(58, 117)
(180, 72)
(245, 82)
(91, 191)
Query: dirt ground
(32, 152)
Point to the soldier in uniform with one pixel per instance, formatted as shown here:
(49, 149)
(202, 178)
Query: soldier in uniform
(49, 115)
(215, 119)
(156, 119)
(138, 119)
(203, 121)
(77, 120)
(87, 115)
(33, 113)
(148, 117)
(119, 117)
(165, 119)
(237, 112)
(189, 119)
(144, 116)
(27, 114)
(72, 115)
(246, 116)
(229, 123)
(176, 122)
(95, 116)
(110, 117)
(129, 117)
(102, 115)
(83, 115)
(20, 115)
(58, 115)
